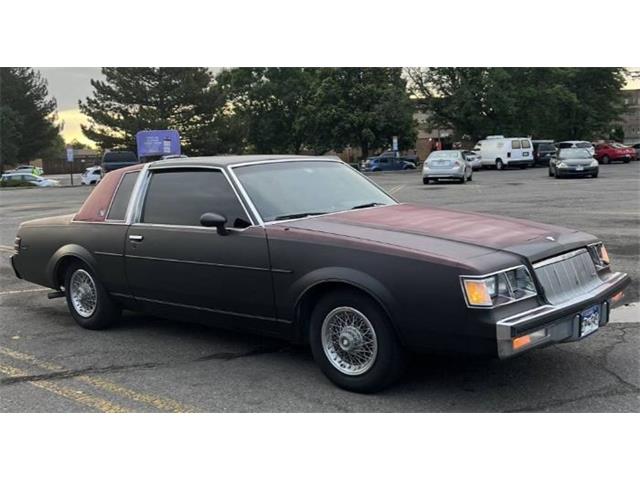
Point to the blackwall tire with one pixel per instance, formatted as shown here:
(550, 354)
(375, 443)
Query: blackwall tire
(499, 165)
(606, 160)
(353, 342)
(88, 301)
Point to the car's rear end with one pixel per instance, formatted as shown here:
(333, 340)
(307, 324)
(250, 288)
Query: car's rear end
(443, 165)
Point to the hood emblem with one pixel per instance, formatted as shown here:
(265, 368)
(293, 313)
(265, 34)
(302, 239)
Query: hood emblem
(551, 239)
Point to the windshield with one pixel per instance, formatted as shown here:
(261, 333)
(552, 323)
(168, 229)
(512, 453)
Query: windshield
(299, 188)
(570, 153)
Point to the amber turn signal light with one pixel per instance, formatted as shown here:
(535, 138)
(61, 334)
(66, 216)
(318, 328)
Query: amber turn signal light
(477, 292)
(521, 342)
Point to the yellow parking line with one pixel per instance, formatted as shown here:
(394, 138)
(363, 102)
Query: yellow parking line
(161, 403)
(27, 290)
(82, 398)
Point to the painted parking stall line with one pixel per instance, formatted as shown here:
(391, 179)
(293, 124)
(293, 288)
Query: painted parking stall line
(25, 290)
(82, 398)
(160, 403)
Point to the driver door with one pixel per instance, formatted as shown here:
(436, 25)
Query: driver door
(173, 261)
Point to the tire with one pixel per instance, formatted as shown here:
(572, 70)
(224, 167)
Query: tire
(550, 172)
(471, 177)
(425, 181)
(595, 175)
(381, 368)
(463, 180)
(626, 160)
(499, 165)
(93, 315)
(606, 160)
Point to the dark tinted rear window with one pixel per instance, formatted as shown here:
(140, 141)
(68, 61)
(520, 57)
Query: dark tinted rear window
(119, 157)
(546, 147)
(180, 197)
(120, 202)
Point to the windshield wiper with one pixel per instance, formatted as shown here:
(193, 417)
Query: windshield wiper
(298, 215)
(367, 205)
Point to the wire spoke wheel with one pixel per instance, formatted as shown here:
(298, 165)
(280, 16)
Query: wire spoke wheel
(83, 293)
(349, 341)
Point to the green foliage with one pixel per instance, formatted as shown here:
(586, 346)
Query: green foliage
(363, 107)
(27, 116)
(134, 99)
(560, 103)
(270, 105)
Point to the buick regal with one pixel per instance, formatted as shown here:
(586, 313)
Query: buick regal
(310, 250)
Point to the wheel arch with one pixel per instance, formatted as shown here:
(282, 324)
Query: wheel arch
(61, 259)
(349, 280)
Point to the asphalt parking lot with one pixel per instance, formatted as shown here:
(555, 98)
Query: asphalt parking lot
(48, 364)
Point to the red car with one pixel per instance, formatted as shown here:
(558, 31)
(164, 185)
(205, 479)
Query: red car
(608, 152)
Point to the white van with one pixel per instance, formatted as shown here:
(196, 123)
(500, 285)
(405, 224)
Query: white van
(500, 152)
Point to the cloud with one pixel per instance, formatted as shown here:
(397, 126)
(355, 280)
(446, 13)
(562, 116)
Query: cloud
(72, 120)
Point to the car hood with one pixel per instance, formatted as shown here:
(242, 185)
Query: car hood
(448, 233)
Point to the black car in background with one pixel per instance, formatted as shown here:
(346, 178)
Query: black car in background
(542, 151)
(118, 159)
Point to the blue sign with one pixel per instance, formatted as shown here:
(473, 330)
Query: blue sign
(158, 142)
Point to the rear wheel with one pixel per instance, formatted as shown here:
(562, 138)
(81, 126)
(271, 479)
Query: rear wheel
(499, 165)
(626, 160)
(605, 160)
(463, 179)
(88, 301)
(595, 175)
(353, 342)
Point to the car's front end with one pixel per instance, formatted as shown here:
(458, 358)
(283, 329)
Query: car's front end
(563, 298)
(368, 165)
(576, 167)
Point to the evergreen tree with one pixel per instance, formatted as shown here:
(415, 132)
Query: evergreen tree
(27, 116)
(134, 99)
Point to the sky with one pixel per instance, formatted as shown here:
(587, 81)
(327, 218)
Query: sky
(70, 84)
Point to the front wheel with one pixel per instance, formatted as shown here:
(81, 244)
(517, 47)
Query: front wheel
(499, 165)
(88, 301)
(463, 180)
(353, 343)
(550, 172)
(425, 181)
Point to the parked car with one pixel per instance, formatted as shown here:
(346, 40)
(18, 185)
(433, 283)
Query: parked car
(256, 243)
(118, 159)
(446, 165)
(32, 169)
(576, 144)
(609, 152)
(91, 175)
(542, 151)
(383, 164)
(636, 147)
(35, 180)
(473, 158)
(391, 154)
(573, 162)
(500, 152)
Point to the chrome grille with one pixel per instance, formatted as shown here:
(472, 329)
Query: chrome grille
(567, 276)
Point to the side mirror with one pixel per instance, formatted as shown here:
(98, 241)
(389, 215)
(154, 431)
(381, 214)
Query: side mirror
(214, 220)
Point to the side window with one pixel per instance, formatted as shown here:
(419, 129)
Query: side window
(516, 144)
(180, 197)
(383, 160)
(118, 209)
(526, 144)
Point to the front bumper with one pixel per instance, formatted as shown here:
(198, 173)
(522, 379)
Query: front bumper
(574, 171)
(557, 323)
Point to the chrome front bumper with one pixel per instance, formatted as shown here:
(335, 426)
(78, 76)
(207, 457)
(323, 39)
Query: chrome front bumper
(557, 323)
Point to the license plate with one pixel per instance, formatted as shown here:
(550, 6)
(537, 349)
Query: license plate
(589, 320)
(579, 168)
(440, 163)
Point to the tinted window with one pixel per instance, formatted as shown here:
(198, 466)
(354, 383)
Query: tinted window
(546, 147)
(120, 202)
(526, 144)
(583, 145)
(180, 197)
(515, 144)
(120, 157)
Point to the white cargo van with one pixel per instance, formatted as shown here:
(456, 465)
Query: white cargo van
(500, 152)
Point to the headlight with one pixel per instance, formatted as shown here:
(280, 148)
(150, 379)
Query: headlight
(599, 255)
(498, 288)
(594, 163)
(562, 165)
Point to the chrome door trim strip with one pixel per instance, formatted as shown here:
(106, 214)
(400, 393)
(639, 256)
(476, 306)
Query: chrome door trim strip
(199, 262)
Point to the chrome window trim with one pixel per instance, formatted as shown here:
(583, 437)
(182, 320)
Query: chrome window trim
(137, 211)
(297, 159)
(115, 193)
(480, 277)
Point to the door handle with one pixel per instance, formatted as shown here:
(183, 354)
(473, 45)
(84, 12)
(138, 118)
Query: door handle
(136, 238)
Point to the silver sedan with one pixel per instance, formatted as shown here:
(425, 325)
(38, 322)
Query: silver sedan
(447, 165)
